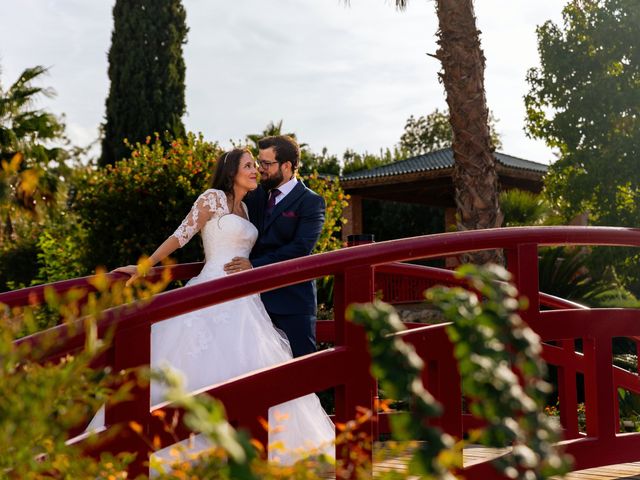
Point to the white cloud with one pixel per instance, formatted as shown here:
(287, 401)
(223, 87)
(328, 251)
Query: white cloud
(340, 76)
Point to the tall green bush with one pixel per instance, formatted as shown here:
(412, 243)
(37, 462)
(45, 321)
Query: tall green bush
(130, 208)
(147, 71)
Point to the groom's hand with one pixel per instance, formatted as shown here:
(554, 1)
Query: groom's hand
(238, 264)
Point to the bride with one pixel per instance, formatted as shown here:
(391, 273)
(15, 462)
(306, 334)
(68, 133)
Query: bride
(223, 341)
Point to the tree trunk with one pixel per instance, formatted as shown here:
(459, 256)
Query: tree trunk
(474, 174)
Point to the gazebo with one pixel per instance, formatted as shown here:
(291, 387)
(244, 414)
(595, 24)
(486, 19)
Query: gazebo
(427, 180)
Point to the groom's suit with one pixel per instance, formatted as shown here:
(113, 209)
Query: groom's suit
(290, 231)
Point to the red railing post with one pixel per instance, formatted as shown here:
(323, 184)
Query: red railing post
(132, 349)
(600, 394)
(522, 263)
(355, 285)
(568, 390)
(441, 378)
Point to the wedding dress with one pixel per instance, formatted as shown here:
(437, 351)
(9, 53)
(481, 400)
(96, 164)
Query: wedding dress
(223, 341)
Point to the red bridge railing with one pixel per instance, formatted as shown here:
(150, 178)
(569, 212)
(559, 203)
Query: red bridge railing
(346, 366)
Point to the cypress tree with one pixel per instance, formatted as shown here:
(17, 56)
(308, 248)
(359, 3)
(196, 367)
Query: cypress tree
(147, 71)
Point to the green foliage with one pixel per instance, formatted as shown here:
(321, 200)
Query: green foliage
(322, 163)
(491, 344)
(147, 73)
(131, 207)
(433, 132)
(397, 367)
(18, 260)
(565, 273)
(353, 161)
(584, 100)
(41, 401)
(38, 406)
(62, 247)
(335, 201)
(30, 163)
(42, 252)
(521, 208)
(24, 129)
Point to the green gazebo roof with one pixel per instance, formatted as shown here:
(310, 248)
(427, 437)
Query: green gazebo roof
(440, 159)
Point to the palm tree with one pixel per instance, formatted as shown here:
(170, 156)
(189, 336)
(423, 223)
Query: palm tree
(25, 155)
(474, 176)
(272, 129)
(24, 129)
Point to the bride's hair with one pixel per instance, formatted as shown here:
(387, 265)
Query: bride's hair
(227, 167)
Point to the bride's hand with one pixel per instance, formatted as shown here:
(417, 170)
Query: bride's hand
(130, 270)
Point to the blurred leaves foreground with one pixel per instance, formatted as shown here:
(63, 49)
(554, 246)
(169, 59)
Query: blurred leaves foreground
(43, 399)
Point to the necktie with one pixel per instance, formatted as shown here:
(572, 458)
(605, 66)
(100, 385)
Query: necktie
(271, 203)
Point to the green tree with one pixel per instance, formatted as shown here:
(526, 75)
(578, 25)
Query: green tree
(353, 161)
(431, 132)
(323, 162)
(584, 100)
(30, 158)
(147, 72)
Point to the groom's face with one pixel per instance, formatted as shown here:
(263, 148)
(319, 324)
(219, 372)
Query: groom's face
(271, 175)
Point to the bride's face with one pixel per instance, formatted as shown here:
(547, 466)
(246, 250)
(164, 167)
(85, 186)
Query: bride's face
(247, 176)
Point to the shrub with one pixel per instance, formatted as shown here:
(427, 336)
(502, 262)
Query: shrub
(42, 400)
(336, 201)
(564, 272)
(19, 255)
(520, 208)
(130, 208)
(62, 247)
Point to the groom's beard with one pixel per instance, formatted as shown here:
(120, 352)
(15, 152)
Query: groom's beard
(271, 182)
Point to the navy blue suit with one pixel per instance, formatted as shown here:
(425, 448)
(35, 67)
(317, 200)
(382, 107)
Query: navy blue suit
(291, 231)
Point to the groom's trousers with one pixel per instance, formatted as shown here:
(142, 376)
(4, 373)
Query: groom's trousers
(300, 330)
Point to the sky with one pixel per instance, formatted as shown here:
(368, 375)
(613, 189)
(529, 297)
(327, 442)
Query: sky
(339, 75)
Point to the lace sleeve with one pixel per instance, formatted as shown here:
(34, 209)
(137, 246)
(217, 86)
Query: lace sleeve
(210, 204)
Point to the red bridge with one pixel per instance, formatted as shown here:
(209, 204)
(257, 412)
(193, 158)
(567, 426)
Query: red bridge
(358, 272)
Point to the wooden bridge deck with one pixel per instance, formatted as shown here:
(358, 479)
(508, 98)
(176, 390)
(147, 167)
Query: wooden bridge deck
(389, 460)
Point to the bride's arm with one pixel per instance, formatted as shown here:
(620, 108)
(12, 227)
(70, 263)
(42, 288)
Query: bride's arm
(203, 209)
(169, 246)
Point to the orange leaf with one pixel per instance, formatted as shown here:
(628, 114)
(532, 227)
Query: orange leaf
(264, 423)
(161, 414)
(136, 427)
(257, 445)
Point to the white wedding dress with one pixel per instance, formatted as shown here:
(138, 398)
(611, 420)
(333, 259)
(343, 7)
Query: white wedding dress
(217, 343)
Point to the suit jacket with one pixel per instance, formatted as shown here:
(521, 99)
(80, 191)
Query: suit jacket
(291, 231)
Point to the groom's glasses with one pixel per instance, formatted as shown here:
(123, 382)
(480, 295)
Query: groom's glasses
(265, 164)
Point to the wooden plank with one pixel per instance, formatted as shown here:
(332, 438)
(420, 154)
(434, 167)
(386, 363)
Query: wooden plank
(387, 459)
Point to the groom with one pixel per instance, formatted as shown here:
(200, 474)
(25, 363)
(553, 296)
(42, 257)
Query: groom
(289, 219)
